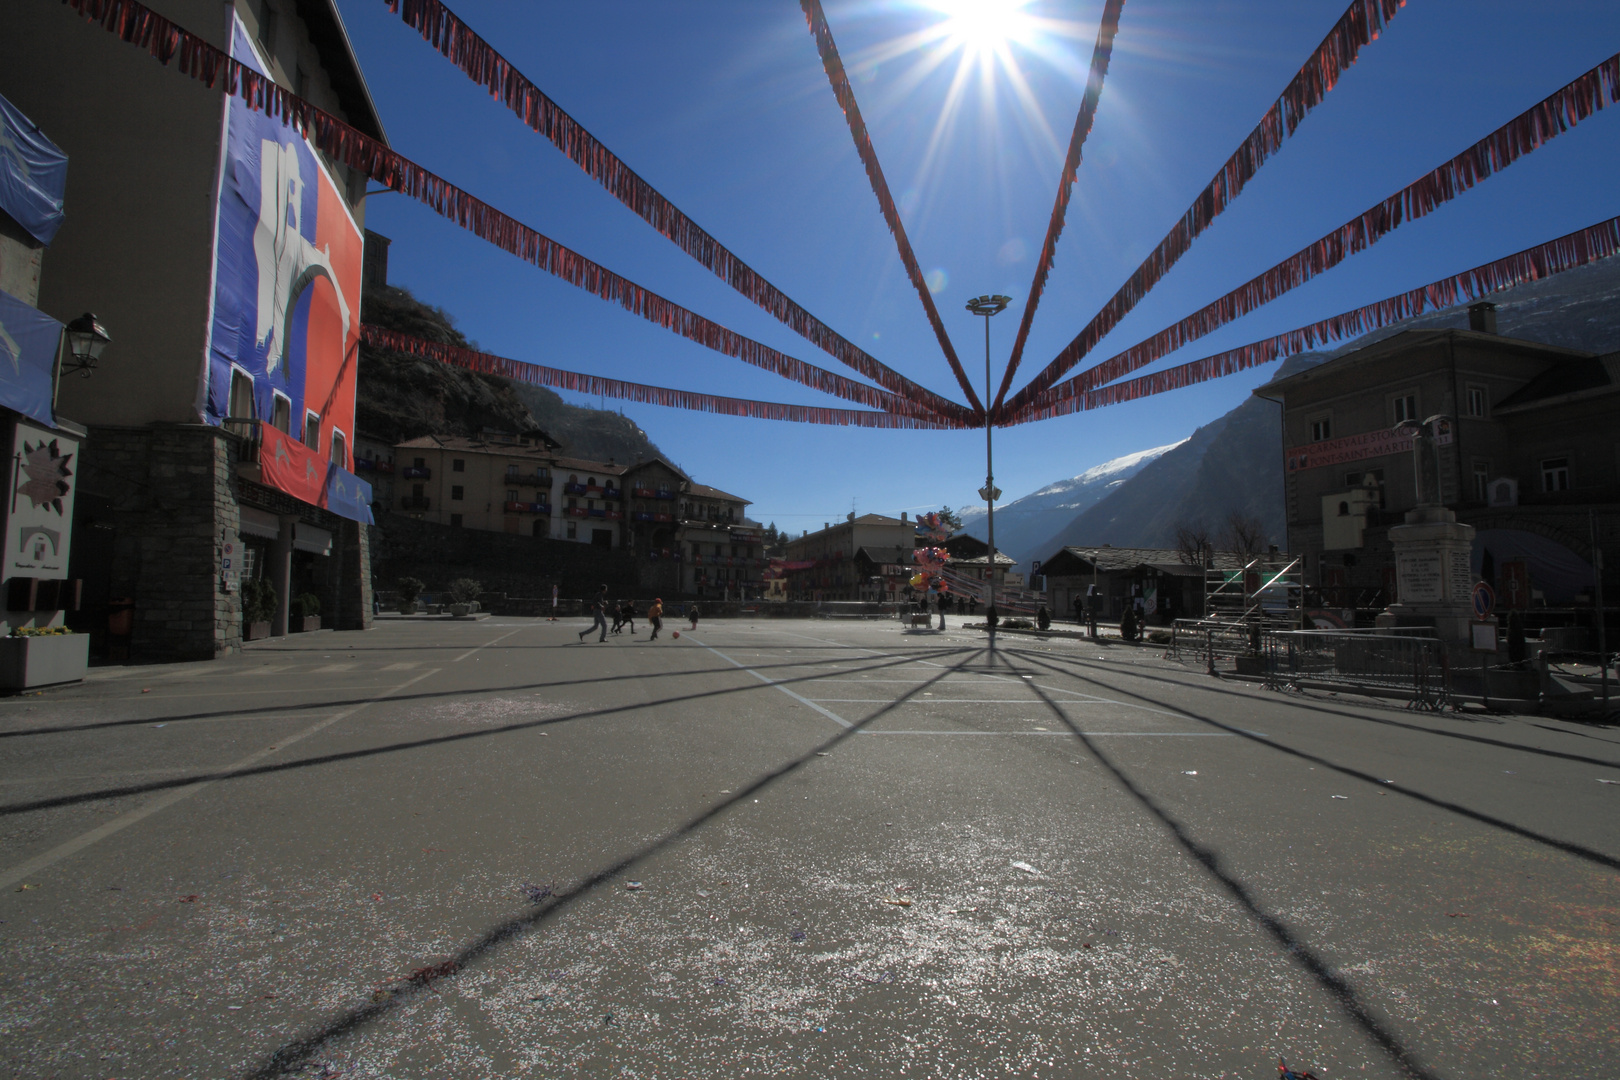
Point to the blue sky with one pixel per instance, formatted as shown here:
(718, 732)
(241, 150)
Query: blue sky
(723, 106)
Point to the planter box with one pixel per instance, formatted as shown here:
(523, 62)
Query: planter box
(41, 661)
(255, 631)
(407, 607)
(307, 624)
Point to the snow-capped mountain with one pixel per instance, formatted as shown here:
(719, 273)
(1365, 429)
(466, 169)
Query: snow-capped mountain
(1027, 521)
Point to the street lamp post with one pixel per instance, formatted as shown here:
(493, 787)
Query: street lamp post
(989, 306)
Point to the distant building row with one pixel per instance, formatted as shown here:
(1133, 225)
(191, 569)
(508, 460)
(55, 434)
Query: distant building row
(526, 484)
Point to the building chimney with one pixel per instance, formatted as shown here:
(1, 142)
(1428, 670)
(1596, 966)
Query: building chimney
(902, 516)
(1482, 317)
(825, 525)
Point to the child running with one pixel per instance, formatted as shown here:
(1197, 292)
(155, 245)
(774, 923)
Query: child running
(655, 616)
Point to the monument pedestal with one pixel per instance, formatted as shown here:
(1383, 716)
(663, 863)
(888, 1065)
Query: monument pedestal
(1433, 579)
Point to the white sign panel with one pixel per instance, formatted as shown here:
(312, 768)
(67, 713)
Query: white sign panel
(39, 516)
(1420, 577)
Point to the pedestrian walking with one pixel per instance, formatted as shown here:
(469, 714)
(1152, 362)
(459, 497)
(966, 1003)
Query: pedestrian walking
(1080, 607)
(939, 604)
(655, 616)
(692, 613)
(599, 615)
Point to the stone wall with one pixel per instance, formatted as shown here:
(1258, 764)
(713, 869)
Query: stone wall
(153, 507)
(505, 562)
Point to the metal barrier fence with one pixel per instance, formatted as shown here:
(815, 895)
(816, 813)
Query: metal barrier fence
(1415, 666)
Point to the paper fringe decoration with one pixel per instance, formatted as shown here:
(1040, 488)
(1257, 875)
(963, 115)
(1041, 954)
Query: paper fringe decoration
(166, 42)
(1360, 25)
(441, 28)
(1101, 53)
(597, 386)
(1510, 142)
(845, 94)
(1568, 252)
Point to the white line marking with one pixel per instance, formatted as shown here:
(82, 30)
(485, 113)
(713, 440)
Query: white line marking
(330, 668)
(828, 713)
(403, 665)
(487, 644)
(15, 874)
(1088, 734)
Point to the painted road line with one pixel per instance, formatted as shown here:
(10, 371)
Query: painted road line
(330, 669)
(1087, 734)
(768, 681)
(403, 665)
(487, 644)
(15, 874)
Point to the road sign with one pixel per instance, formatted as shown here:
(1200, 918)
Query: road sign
(1484, 599)
(1483, 635)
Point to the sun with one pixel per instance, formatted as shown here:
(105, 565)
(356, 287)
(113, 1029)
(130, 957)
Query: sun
(983, 26)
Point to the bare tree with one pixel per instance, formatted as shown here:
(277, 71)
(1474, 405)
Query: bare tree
(1193, 542)
(1243, 534)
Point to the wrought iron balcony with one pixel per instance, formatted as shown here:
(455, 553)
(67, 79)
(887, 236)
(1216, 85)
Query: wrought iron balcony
(528, 508)
(414, 502)
(416, 472)
(612, 493)
(574, 489)
(575, 511)
(615, 515)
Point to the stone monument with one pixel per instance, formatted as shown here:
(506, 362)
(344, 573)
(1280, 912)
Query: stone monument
(1433, 578)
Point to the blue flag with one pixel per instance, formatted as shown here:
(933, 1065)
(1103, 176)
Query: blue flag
(33, 174)
(28, 342)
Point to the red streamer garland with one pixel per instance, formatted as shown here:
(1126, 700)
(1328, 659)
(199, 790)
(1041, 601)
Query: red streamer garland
(1360, 25)
(597, 386)
(845, 94)
(1101, 53)
(441, 28)
(165, 41)
(1568, 252)
(1507, 144)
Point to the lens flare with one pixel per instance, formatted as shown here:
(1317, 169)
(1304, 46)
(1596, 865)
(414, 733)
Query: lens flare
(984, 26)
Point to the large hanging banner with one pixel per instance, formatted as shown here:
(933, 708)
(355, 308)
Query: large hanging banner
(293, 468)
(33, 174)
(29, 339)
(286, 273)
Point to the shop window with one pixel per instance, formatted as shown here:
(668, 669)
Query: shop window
(1555, 474)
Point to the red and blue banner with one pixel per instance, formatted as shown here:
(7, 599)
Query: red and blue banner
(291, 467)
(287, 260)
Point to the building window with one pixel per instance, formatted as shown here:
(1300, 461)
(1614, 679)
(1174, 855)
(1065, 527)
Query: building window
(1406, 408)
(420, 463)
(1555, 474)
(267, 27)
(458, 465)
(242, 407)
(312, 430)
(572, 503)
(511, 472)
(1482, 481)
(340, 449)
(511, 495)
(573, 531)
(1321, 428)
(1478, 401)
(456, 492)
(455, 521)
(281, 414)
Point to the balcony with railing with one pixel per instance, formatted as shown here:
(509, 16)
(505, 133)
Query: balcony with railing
(362, 464)
(528, 508)
(414, 502)
(663, 493)
(641, 515)
(614, 515)
(594, 512)
(644, 493)
(574, 489)
(416, 472)
(663, 517)
(540, 480)
(576, 511)
(612, 493)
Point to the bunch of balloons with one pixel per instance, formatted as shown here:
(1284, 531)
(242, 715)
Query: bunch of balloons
(930, 569)
(931, 526)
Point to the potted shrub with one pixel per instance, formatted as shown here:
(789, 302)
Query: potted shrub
(464, 594)
(258, 608)
(409, 589)
(305, 613)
